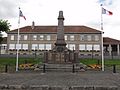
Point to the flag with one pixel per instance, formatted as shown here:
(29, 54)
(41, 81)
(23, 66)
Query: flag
(104, 11)
(21, 15)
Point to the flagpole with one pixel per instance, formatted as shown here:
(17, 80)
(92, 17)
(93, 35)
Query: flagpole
(102, 50)
(18, 41)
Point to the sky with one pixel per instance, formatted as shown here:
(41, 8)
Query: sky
(76, 12)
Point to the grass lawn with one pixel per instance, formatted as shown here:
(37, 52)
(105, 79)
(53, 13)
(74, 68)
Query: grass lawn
(11, 62)
(108, 63)
(96, 61)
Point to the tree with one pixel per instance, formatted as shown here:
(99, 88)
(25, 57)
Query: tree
(4, 27)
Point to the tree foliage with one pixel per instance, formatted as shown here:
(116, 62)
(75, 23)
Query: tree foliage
(4, 26)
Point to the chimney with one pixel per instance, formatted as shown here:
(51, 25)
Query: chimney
(33, 25)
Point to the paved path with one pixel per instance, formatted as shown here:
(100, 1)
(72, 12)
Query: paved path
(60, 78)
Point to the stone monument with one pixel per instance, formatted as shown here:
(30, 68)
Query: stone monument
(60, 53)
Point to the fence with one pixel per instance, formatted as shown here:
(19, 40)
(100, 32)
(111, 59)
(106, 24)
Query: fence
(7, 68)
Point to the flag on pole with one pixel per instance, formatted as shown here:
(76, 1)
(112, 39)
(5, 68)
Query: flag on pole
(17, 57)
(21, 15)
(104, 11)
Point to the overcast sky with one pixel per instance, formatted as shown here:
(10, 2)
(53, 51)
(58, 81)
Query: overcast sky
(76, 12)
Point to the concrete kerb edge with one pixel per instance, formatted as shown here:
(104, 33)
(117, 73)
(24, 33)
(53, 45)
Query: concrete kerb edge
(47, 87)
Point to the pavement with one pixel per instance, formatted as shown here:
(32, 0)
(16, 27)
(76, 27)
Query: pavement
(95, 78)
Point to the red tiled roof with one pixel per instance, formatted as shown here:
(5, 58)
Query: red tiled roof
(108, 40)
(53, 29)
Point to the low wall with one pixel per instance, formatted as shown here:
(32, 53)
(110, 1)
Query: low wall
(46, 87)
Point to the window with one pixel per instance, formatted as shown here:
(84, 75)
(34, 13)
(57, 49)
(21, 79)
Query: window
(65, 37)
(96, 38)
(25, 37)
(72, 37)
(89, 38)
(48, 46)
(41, 46)
(96, 47)
(48, 37)
(82, 37)
(89, 47)
(18, 46)
(82, 47)
(71, 46)
(12, 37)
(41, 37)
(11, 46)
(34, 37)
(25, 46)
(34, 46)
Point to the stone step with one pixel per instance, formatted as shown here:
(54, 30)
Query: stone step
(62, 67)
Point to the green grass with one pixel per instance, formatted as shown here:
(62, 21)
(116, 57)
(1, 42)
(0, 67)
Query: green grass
(89, 61)
(95, 61)
(12, 61)
(108, 63)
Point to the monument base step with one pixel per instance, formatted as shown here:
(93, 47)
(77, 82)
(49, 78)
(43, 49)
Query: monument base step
(62, 67)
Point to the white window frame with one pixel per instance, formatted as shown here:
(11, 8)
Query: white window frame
(48, 37)
(41, 46)
(97, 38)
(96, 47)
(82, 37)
(34, 46)
(82, 47)
(89, 38)
(11, 46)
(18, 46)
(41, 37)
(25, 37)
(12, 37)
(89, 47)
(48, 46)
(72, 37)
(34, 37)
(25, 46)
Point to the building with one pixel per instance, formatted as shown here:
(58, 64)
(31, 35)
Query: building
(111, 47)
(84, 39)
(3, 46)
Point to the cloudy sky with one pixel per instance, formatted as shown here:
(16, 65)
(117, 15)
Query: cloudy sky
(76, 12)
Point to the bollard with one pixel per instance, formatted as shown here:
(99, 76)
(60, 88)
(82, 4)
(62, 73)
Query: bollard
(73, 69)
(6, 68)
(114, 68)
(43, 68)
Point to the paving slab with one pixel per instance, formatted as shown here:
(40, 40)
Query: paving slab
(60, 79)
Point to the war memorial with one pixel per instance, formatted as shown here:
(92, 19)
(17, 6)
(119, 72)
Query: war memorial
(60, 53)
(64, 77)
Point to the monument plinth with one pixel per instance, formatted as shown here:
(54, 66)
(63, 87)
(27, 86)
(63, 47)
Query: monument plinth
(60, 44)
(60, 53)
